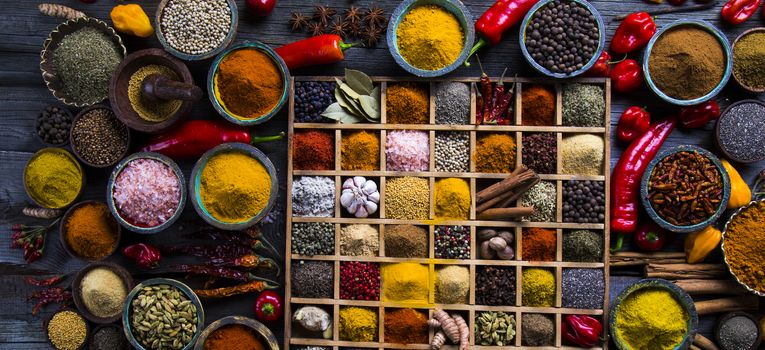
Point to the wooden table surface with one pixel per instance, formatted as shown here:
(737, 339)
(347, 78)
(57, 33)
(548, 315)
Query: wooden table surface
(23, 94)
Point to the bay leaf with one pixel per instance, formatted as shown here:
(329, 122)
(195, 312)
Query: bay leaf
(336, 112)
(370, 106)
(348, 91)
(351, 106)
(377, 94)
(358, 81)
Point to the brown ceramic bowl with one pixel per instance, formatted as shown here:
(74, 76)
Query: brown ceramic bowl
(67, 154)
(74, 149)
(112, 325)
(77, 284)
(87, 328)
(264, 334)
(119, 86)
(738, 80)
(62, 231)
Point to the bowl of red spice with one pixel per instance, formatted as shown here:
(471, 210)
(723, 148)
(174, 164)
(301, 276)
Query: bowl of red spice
(236, 332)
(685, 189)
(88, 231)
(248, 84)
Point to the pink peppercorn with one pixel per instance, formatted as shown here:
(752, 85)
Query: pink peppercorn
(359, 280)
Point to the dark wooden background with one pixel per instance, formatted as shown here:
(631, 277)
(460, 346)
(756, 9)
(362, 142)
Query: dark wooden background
(23, 94)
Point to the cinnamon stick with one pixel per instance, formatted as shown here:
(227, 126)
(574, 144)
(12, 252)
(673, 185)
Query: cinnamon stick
(519, 175)
(491, 203)
(505, 213)
(704, 343)
(739, 303)
(637, 258)
(520, 191)
(686, 271)
(703, 287)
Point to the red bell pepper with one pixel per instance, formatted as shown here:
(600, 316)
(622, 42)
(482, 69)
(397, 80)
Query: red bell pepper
(195, 137)
(633, 122)
(628, 172)
(650, 237)
(626, 76)
(602, 67)
(497, 20)
(582, 330)
(693, 117)
(633, 33)
(738, 11)
(322, 49)
(145, 256)
(268, 306)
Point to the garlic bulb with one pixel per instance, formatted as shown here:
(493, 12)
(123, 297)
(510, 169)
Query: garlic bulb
(360, 196)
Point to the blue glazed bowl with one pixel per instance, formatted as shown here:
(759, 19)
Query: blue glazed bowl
(113, 207)
(218, 105)
(455, 7)
(547, 72)
(196, 179)
(705, 26)
(189, 57)
(127, 310)
(680, 295)
(664, 223)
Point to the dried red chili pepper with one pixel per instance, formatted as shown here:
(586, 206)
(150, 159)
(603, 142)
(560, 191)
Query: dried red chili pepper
(582, 330)
(739, 11)
(602, 67)
(497, 20)
(633, 122)
(676, 2)
(248, 262)
(626, 76)
(44, 282)
(248, 287)
(633, 33)
(50, 295)
(237, 237)
(217, 251)
(485, 88)
(144, 255)
(697, 116)
(322, 49)
(31, 239)
(219, 271)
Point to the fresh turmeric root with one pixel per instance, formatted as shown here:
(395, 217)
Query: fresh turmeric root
(438, 340)
(464, 332)
(447, 325)
(56, 10)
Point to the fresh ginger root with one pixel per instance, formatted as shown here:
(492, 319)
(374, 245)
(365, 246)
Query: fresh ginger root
(56, 10)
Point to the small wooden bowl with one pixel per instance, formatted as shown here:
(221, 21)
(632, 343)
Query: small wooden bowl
(77, 284)
(118, 95)
(87, 328)
(189, 57)
(60, 151)
(74, 149)
(267, 338)
(53, 83)
(728, 316)
(99, 327)
(62, 230)
(738, 80)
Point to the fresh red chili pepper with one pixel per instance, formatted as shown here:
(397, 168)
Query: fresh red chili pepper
(322, 49)
(628, 172)
(602, 67)
(633, 122)
(633, 33)
(582, 330)
(697, 116)
(497, 20)
(738, 11)
(650, 237)
(195, 137)
(145, 256)
(626, 76)
(268, 306)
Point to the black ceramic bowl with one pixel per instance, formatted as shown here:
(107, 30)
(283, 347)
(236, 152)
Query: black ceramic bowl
(91, 338)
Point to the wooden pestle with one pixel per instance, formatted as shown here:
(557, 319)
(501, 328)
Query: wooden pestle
(157, 87)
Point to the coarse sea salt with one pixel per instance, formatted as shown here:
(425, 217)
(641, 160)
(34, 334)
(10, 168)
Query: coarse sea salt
(407, 150)
(147, 192)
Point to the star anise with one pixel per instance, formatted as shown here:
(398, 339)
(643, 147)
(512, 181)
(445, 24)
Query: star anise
(375, 17)
(339, 27)
(316, 28)
(353, 15)
(371, 36)
(355, 30)
(324, 14)
(298, 22)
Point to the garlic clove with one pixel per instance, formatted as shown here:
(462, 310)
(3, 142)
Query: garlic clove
(374, 197)
(348, 184)
(369, 187)
(370, 207)
(346, 198)
(361, 213)
(359, 181)
(355, 204)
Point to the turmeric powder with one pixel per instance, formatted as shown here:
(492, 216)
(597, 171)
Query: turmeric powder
(452, 199)
(429, 37)
(234, 196)
(744, 247)
(360, 151)
(91, 231)
(495, 153)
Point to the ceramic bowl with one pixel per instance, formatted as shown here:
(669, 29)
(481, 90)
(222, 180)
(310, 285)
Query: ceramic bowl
(717, 131)
(196, 179)
(99, 327)
(63, 230)
(77, 295)
(680, 295)
(735, 76)
(87, 328)
(66, 139)
(66, 154)
(730, 315)
(267, 338)
(113, 207)
(212, 88)
(456, 8)
(190, 57)
(702, 25)
(725, 256)
(601, 41)
(689, 228)
(74, 149)
(127, 311)
(53, 83)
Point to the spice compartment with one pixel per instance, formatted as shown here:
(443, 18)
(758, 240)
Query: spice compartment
(428, 223)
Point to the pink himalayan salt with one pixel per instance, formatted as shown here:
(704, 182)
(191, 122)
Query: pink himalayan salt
(147, 192)
(407, 150)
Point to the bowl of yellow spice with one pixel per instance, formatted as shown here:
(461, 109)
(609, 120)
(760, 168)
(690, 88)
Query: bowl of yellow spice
(234, 186)
(53, 178)
(430, 38)
(653, 314)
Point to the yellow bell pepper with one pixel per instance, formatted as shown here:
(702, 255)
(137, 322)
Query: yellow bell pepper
(740, 194)
(699, 244)
(131, 19)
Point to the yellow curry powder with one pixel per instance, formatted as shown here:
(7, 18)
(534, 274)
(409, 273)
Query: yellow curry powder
(405, 282)
(745, 248)
(53, 179)
(452, 199)
(495, 153)
(234, 187)
(358, 324)
(652, 319)
(430, 37)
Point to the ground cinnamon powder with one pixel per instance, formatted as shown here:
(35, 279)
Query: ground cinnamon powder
(687, 62)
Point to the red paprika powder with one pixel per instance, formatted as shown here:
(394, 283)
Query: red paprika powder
(537, 105)
(406, 326)
(313, 150)
(233, 337)
(539, 244)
